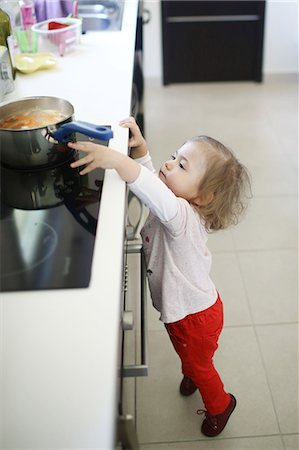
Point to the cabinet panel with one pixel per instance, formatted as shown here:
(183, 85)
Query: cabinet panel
(208, 7)
(208, 44)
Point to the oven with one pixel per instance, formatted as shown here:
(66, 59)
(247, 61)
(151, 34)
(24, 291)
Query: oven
(133, 328)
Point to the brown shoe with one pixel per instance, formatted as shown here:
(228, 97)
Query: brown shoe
(187, 387)
(213, 425)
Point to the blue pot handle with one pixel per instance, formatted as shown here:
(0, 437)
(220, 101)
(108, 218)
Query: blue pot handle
(100, 132)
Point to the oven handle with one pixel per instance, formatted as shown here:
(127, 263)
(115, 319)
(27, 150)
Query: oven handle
(219, 18)
(140, 370)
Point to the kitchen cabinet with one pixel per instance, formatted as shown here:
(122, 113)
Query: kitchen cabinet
(59, 349)
(212, 40)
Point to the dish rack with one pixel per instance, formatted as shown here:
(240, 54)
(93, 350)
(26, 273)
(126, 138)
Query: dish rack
(62, 39)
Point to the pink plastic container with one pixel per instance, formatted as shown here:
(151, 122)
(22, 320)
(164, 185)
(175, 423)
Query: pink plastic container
(60, 40)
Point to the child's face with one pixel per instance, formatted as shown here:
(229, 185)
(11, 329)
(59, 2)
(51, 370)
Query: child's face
(183, 173)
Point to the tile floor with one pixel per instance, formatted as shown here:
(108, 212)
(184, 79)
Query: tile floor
(254, 268)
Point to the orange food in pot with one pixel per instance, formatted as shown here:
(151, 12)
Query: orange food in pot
(31, 119)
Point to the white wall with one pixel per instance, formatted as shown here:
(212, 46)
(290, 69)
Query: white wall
(280, 38)
(152, 45)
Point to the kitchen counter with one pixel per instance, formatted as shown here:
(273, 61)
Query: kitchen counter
(59, 349)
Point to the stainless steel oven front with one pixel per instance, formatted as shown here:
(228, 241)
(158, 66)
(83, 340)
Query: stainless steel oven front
(133, 327)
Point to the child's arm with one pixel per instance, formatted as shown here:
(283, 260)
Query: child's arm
(106, 158)
(142, 181)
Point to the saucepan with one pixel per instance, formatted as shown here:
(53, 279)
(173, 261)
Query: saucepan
(34, 132)
(51, 187)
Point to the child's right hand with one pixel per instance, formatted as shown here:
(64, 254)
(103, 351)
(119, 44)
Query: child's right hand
(97, 155)
(136, 141)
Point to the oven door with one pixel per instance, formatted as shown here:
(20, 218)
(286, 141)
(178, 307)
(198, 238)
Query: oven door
(139, 367)
(134, 333)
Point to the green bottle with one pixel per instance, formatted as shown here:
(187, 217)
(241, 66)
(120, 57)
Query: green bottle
(6, 39)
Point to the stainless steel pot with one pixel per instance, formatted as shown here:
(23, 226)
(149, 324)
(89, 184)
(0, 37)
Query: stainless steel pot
(44, 146)
(48, 188)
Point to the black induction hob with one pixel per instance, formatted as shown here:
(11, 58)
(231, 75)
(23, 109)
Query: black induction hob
(48, 221)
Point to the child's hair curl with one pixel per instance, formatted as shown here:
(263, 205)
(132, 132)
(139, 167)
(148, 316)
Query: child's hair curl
(229, 182)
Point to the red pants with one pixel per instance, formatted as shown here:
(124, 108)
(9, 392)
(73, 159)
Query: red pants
(195, 339)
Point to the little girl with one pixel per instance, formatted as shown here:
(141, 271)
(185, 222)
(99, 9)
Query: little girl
(201, 188)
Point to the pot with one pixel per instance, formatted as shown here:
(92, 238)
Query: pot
(44, 146)
(49, 188)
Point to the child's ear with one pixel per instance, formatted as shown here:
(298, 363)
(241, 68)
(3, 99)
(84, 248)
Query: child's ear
(204, 199)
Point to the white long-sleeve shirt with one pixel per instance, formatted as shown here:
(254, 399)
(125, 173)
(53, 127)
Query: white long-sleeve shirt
(174, 242)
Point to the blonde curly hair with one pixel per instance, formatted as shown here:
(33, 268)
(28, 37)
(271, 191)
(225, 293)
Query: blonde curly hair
(227, 180)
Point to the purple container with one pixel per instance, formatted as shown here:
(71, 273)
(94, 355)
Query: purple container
(52, 9)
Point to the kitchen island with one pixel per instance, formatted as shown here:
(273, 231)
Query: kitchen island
(60, 348)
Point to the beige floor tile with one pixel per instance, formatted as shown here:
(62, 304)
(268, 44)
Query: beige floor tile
(254, 443)
(279, 346)
(238, 361)
(270, 223)
(163, 415)
(129, 384)
(284, 118)
(291, 442)
(154, 324)
(228, 280)
(262, 145)
(248, 110)
(272, 176)
(221, 241)
(257, 144)
(271, 283)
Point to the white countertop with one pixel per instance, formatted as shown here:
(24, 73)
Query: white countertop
(59, 348)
